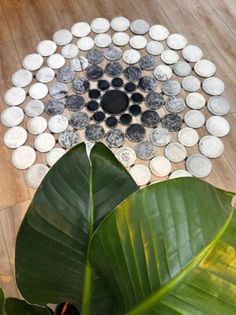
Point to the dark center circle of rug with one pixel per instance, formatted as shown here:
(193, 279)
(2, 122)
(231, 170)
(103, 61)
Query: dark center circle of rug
(114, 102)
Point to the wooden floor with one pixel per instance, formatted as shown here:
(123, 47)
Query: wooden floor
(211, 24)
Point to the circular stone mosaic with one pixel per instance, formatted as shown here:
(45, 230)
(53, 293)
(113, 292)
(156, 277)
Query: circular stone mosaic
(151, 96)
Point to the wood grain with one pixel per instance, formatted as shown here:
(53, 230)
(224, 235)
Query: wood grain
(209, 24)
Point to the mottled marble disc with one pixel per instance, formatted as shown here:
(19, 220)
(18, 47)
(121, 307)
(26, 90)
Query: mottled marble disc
(115, 138)
(58, 90)
(94, 133)
(132, 73)
(217, 126)
(147, 84)
(160, 137)
(150, 119)
(154, 100)
(23, 157)
(80, 85)
(35, 175)
(126, 156)
(171, 87)
(175, 152)
(79, 63)
(79, 120)
(172, 122)
(95, 56)
(15, 137)
(94, 72)
(37, 125)
(69, 138)
(162, 72)
(113, 53)
(135, 132)
(175, 104)
(54, 107)
(160, 166)
(145, 150)
(148, 62)
(65, 74)
(58, 123)
(75, 102)
(199, 165)
(211, 146)
(141, 174)
(113, 69)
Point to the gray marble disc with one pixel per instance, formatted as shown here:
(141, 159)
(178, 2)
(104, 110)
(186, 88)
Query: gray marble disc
(80, 85)
(75, 102)
(211, 146)
(65, 74)
(155, 48)
(23, 157)
(172, 122)
(139, 27)
(79, 120)
(162, 72)
(182, 68)
(94, 133)
(69, 51)
(94, 72)
(194, 119)
(217, 126)
(14, 96)
(58, 123)
(218, 105)
(45, 75)
(54, 107)
(68, 138)
(62, 37)
(21, 78)
(147, 84)
(113, 53)
(58, 90)
(34, 108)
(95, 56)
(126, 156)
(160, 166)
(154, 100)
(171, 87)
(175, 104)
(44, 142)
(54, 155)
(35, 175)
(213, 86)
(79, 63)
(145, 150)
(12, 116)
(160, 137)
(56, 61)
(148, 62)
(191, 83)
(199, 165)
(141, 174)
(135, 132)
(132, 73)
(120, 24)
(113, 69)
(46, 48)
(150, 119)
(175, 152)
(115, 138)
(15, 137)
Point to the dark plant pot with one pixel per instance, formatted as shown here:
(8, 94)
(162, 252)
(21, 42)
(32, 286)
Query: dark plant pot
(66, 309)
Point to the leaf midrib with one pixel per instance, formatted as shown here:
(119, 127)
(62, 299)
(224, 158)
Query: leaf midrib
(156, 296)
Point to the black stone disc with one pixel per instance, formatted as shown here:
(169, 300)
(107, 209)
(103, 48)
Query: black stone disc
(94, 93)
(135, 132)
(79, 120)
(172, 122)
(111, 122)
(113, 53)
(114, 102)
(75, 102)
(92, 106)
(115, 138)
(154, 100)
(103, 85)
(117, 82)
(150, 118)
(65, 74)
(94, 73)
(132, 73)
(94, 132)
(135, 110)
(99, 116)
(95, 56)
(80, 85)
(54, 107)
(130, 87)
(148, 62)
(137, 97)
(113, 69)
(125, 119)
(147, 84)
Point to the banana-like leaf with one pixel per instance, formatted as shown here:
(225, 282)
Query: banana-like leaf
(18, 307)
(170, 249)
(51, 249)
(2, 298)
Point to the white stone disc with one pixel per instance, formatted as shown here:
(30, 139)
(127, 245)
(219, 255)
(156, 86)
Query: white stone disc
(120, 24)
(100, 25)
(70, 51)
(195, 100)
(37, 125)
(205, 68)
(194, 119)
(179, 173)
(155, 48)
(102, 40)
(176, 41)
(14, 96)
(192, 53)
(85, 43)
(218, 105)
(12, 116)
(160, 137)
(120, 38)
(54, 155)
(126, 156)
(62, 37)
(182, 68)
(169, 56)
(38, 91)
(188, 137)
(44, 142)
(58, 123)
(141, 174)
(163, 72)
(138, 42)
(15, 137)
(46, 48)
(32, 62)
(160, 166)
(199, 165)
(34, 108)
(22, 78)
(45, 75)
(80, 29)
(79, 63)
(191, 83)
(175, 152)
(158, 32)
(139, 27)
(211, 146)
(23, 157)
(35, 175)
(131, 56)
(213, 86)
(217, 126)
(56, 61)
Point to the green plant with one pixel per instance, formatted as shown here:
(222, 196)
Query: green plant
(90, 237)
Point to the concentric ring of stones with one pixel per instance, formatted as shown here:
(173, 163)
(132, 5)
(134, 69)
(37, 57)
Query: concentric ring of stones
(166, 85)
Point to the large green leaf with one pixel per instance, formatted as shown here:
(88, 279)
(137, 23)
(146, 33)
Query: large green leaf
(18, 307)
(51, 247)
(2, 298)
(170, 249)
